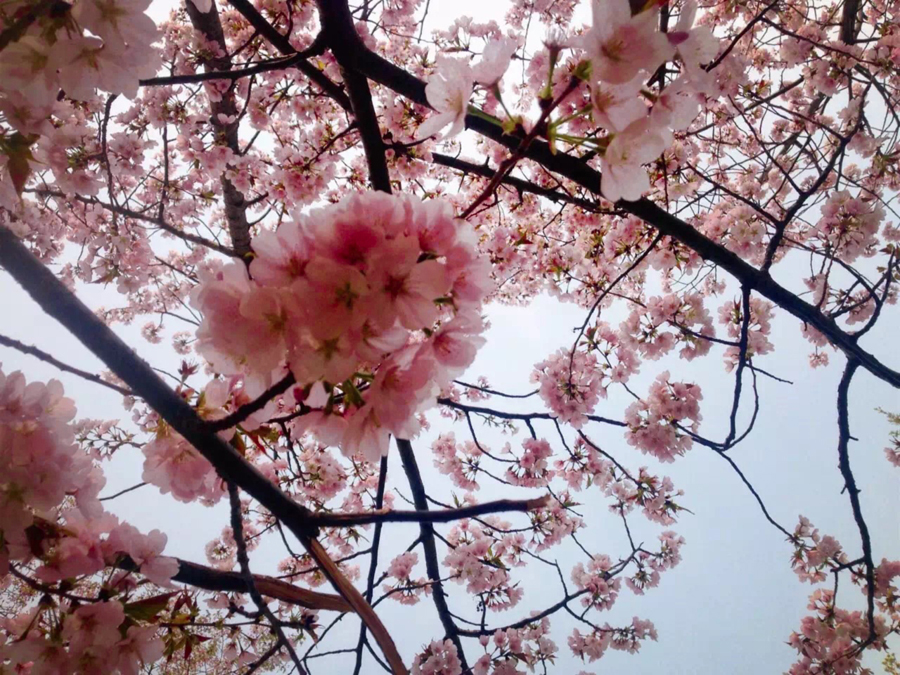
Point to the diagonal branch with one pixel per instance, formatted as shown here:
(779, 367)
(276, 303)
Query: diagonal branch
(284, 46)
(47, 358)
(254, 406)
(237, 530)
(211, 579)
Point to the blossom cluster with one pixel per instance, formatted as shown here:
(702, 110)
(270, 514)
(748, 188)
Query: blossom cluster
(601, 589)
(52, 520)
(661, 424)
(373, 304)
(814, 554)
(438, 658)
(622, 51)
(592, 646)
(530, 647)
(759, 327)
(570, 384)
(77, 48)
(460, 461)
(848, 226)
(482, 562)
(828, 638)
(405, 589)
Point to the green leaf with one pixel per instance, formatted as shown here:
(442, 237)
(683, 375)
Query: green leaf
(148, 608)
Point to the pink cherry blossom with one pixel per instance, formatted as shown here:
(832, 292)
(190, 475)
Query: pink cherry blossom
(620, 45)
(448, 92)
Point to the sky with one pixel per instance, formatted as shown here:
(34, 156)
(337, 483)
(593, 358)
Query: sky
(731, 604)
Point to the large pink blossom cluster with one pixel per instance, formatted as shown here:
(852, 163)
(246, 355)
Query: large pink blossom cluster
(373, 304)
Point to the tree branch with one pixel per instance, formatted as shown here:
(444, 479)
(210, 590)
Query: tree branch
(853, 491)
(254, 406)
(237, 530)
(429, 546)
(211, 579)
(284, 46)
(210, 25)
(444, 516)
(47, 358)
(373, 564)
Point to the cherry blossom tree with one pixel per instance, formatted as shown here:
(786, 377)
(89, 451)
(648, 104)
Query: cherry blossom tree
(316, 205)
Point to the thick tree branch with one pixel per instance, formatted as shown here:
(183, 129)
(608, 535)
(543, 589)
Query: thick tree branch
(849, 27)
(370, 132)
(211, 579)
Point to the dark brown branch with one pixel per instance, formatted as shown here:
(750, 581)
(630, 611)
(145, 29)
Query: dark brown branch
(47, 358)
(445, 516)
(843, 408)
(209, 24)
(490, 412)
(361, 102)
(370, 132)
(237, 530)
(429, 546)
(522, 185)
(138, 486)
(256, 405)
(284, 46)
(849, 28)
(247, 71)
(211, 579)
